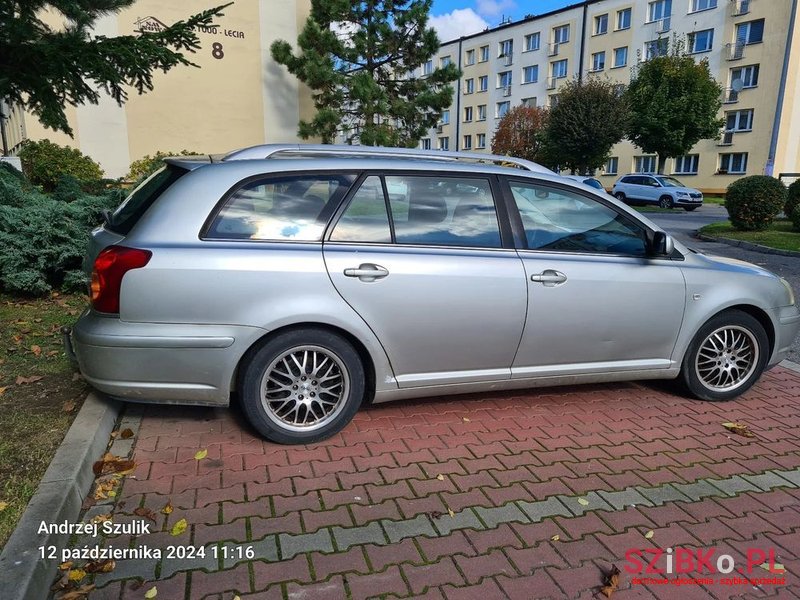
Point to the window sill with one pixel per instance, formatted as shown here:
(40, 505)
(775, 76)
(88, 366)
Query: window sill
(619, 66)
(530, 50)
(597, 70)
(600, 33)
(529, 82)
(622, 28)
(685, 174)
(699, 52)
(694, 12)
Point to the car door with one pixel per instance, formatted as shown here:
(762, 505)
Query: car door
(423, 261)
(597, 302)
(651, 189)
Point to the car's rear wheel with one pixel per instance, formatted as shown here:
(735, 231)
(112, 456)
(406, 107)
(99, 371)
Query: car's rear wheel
(726, 357)
(302, 386)
(689, 208)
(665, 202)
(620, 196)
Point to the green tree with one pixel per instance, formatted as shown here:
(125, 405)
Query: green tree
(358, 57)
(588, 119)
(519, 132)
(43, 68)
(674, 102)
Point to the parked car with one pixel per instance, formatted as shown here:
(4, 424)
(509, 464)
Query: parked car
(665, 191)
(590, 181)
(337, 277)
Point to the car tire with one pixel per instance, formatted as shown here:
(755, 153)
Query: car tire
(620, 196)
(726, 357)
(282, 398)
(689, 208)
(665, 201)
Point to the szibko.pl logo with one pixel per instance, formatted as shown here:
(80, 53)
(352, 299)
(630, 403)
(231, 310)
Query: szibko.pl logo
(702, 562)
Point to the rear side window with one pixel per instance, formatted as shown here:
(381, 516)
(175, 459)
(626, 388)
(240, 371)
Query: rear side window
(136, 204)
(293, 208)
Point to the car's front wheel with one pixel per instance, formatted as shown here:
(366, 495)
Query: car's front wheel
(665, 202)
(726, 357)
(620, 196)
(302, 386)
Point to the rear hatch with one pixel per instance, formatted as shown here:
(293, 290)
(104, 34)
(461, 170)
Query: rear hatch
(118, 225)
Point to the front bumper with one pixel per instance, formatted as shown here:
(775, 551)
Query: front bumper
(174, 363)
(688, 201)
(788, 320)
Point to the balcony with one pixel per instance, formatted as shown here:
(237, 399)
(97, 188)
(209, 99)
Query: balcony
(740, 7)
(551, 83)
(727, 138)
(730, 96)
(440, 128)
(507, 59)
(552, 49)
(662, 25)
(506, 91)
(734, 51)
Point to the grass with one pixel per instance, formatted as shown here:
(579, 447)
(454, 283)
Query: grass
(779, 235)
(34, 415)
(714, 200)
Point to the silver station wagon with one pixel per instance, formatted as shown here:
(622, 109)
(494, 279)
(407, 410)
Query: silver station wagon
(312, 280)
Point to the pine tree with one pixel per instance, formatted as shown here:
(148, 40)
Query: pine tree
(358, 58)
(44, 68)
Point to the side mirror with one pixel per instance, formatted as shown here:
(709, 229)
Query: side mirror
(663, 245)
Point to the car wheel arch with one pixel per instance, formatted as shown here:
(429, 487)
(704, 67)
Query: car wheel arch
(757, 313)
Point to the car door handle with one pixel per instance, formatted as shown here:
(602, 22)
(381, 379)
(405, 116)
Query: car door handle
(366, 272)
(549, 278)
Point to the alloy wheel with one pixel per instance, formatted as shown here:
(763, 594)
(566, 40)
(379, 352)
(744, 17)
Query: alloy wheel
(727, 358)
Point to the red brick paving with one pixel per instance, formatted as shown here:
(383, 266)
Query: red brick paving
(489, 450)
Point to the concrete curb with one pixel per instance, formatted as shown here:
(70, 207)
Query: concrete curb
(24, 575)
(788, 364)
(746, 245)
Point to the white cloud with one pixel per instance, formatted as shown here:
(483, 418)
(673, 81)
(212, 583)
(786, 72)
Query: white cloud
(494, 8)
(460, 22)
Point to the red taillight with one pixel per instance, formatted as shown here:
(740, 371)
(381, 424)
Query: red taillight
(109, 268)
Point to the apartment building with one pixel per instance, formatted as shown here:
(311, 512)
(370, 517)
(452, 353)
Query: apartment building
(753, 49)
(239, 96)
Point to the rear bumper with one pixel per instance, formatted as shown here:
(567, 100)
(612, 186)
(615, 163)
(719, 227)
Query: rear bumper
(160, 362)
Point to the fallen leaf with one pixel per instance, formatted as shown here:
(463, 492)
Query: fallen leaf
(179, 527)
(24, 380)
(739, 429)
(147, 513)
(101, 518)
(466, 420)
(610, 582)
(236, 597)
(649, 535)
(440, 477)
(201, 454)
(36, 349)
(78, 594)
(451, 513)
(555, 538)
(583, 502)
(151, 593)
(774, 568)
(167, 510)
(3, 506)
(76, 574)
(65, 566)
(3, 390)
(112, 464)
(68, 406)
(100, 566)
(52, 353)
(62, 583)
(126, 434)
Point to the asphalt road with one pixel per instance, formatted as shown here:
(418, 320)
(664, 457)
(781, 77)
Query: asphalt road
(684, 224)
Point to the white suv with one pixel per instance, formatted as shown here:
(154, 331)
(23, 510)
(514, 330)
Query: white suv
(665, 191)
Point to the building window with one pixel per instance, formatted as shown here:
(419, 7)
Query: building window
(612, 165)
(559, 69)
(530, 74)
(483, 83)
(687, 164)
(532, 42)
(655, 48)
(484, 54)
(553, 100)
(470, 58)
(735, 162)
(739, 120)
(645, 164)
(444, 143)
(598, 61)
(624, 19)
(445, 120)
(659, 10)
(529, 102)
(444, 61)
(481, 112)
(561, 34)
(467, 114)
(481, 141)
(698, 5)
(427, 68)
(426, 143)
(505, 48)
(502, 109)
(467, 142)
(469, 86)
(601, 24)
(751, 32)
(747, 75)
(701, 41)
(504, 79)
(620, 57)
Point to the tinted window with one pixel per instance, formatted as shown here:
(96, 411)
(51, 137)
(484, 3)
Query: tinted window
(281, 208)
(561, 220)
(136, 204)
(443, 211)
(366, 218)
(630, 180)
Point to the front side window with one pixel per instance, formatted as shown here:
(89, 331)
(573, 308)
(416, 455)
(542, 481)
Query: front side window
(620, 57)
(687, 164)
(530, 74)
(598, 61)
(560, 220)
(601, 24)
(624, 19)
(532, 42)
(701, 41)
(293, 208)
(366, 218)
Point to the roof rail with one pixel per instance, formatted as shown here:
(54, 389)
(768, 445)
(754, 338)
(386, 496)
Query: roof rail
(305, 150)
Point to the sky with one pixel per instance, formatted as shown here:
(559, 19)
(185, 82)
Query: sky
(454, 18)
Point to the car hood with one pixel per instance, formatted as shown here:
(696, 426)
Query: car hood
(733, 265)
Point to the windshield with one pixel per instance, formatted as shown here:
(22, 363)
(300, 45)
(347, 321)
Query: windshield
(670, 182)
(591, 182)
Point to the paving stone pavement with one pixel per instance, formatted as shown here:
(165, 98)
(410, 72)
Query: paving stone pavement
(513, 495)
